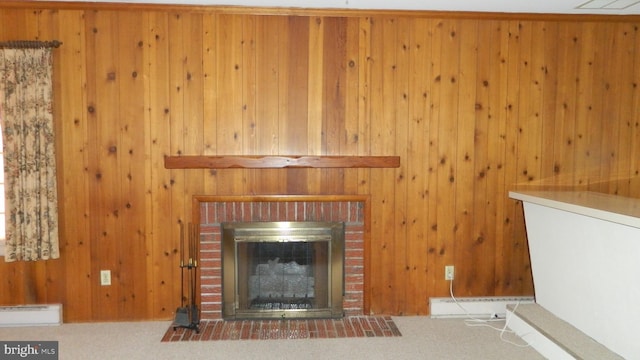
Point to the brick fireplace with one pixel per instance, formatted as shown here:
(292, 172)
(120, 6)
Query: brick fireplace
(211, 211)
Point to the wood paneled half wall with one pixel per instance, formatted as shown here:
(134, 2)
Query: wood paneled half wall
(473, 105)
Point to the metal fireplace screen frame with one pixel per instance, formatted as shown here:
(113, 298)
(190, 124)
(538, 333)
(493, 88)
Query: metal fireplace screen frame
(326, 243)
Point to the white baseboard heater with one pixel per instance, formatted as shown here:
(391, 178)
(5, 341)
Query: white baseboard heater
(481, 307)
(31, 315)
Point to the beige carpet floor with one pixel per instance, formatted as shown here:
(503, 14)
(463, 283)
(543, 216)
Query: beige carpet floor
(422, 338)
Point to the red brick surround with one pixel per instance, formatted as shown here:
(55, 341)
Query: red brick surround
(214, 213)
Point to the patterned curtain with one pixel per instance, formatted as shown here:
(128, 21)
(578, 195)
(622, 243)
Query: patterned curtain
(29, 154)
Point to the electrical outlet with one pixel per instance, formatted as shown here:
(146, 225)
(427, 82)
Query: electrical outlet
(105, 277)
(449, 272)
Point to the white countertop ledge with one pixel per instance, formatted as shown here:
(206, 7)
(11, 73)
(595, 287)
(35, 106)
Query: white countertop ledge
(613, 208)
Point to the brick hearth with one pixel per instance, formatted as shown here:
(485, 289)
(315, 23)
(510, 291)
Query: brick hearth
(348, 327)
(213, 213)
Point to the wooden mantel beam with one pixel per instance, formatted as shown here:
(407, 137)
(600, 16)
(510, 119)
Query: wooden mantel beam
(279, 162)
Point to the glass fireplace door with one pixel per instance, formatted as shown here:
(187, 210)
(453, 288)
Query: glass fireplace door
(283, 270)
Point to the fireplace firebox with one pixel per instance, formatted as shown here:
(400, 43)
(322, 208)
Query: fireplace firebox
(282, 269)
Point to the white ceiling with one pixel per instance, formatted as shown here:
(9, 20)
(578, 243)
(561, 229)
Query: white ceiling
(604, 7)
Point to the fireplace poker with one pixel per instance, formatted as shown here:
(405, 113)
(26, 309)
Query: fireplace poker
(194, 313)
(182, 318)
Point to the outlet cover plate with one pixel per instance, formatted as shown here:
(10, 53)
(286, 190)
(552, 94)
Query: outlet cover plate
(105, 277)
(449, 272)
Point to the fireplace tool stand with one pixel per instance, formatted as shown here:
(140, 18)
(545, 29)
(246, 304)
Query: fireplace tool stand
(188, 316)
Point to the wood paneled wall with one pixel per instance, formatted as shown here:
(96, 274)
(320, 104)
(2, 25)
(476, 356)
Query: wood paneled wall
(474, 106)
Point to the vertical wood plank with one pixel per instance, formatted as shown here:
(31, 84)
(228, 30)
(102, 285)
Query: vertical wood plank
(547, 70)
(74, 153)
(364, 147)
(351, 101)
(193, 94)
(528, 140)
(315, 97)
(383, 79)
(467, 134)
(535, 113)
(293, 125)
(417, 156)
(483, 234)
(507, 210)
(251, 95)
(497, 83)
(209, 82)
(564, 131)
(584, 116)
(333, 122)
(284, 28)
(401, 113)
(599, 134)
(364, 100)
(163, 265)
(131, 239)
(103, 107)
(229, 129)
(271, 40)
(447, 79)
(177, 59)
(434, 247)
(634, 166)
(612, 134)
(384, 142)
(621, 89)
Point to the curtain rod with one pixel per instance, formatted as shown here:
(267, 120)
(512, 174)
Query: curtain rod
(29, 44)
